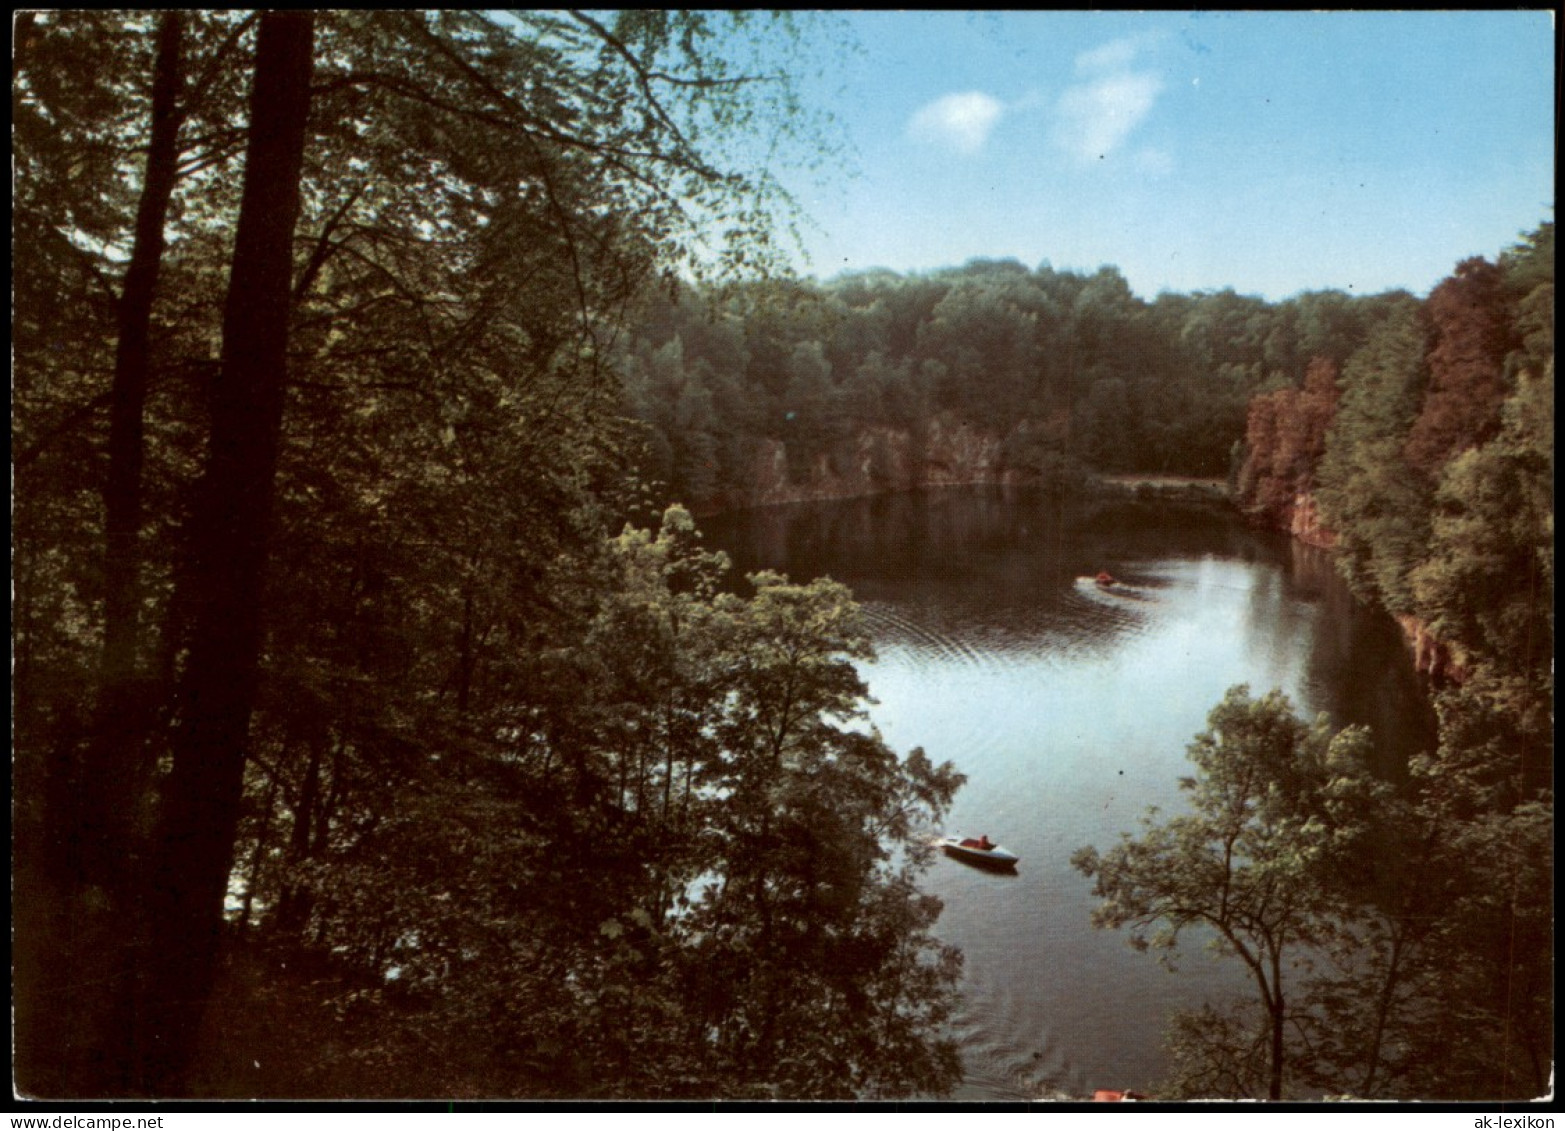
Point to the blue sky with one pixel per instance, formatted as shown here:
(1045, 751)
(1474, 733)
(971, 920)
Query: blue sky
(1270, 152)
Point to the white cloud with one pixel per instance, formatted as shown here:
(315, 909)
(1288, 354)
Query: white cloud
(1093, 119)
(961, 121)
(1096, 116)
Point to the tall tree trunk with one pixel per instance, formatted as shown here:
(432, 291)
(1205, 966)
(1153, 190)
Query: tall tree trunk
(465, 656)
(202, 800)
(108, 774)
(293, 905)
(1278, 1016)
(112, 780)
(258, 856)
(1383, 1006)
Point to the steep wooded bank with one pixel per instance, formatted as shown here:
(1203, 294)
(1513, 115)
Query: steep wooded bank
(1427, 462)
(360, 748)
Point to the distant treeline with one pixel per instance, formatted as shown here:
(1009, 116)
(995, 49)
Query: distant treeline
(1098, 378)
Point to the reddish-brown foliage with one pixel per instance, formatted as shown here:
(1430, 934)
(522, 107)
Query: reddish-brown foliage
(1466, 367)
(1286, 436)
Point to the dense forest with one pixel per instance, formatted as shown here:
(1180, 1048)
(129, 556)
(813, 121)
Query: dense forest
(361, 749)
(1062, 373)
(382, 726)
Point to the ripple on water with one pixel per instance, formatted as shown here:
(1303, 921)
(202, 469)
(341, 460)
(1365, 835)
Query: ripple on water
(1009, 1053)
(1070, 628)
(892, 628)
(1090, 621)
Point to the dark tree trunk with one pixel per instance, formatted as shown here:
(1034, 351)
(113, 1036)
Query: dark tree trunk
(1278, 1015)
(202, 800)
(293, 906)
(258, 856)
(105, 777)
(113, 780)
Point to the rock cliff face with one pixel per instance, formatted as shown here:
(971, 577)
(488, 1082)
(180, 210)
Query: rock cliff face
(1431, 656)
(1304, 523)
(949, 453)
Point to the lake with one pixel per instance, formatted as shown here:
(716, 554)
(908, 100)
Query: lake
(1069, 707)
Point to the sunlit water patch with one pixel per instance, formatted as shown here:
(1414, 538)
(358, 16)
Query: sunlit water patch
(1069, 706)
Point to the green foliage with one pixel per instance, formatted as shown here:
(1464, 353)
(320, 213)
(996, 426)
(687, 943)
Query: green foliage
(1527, 276)
(682, 870)
(1280, 811)
(1063, 370)
(813, 968)
(1486, 582)
(1439, 985)
(490, 747)
(1367, 494)
(1216, 1054)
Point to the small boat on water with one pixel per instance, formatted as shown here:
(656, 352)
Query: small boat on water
(978, 850)
(1106, 580)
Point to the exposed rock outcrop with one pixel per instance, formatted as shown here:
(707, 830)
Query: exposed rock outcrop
(948, 453)
(1304, 522)
(956, 453)
(1431, 656)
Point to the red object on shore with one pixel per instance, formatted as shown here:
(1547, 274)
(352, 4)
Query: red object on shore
(1104, 1096)
(1106, 578)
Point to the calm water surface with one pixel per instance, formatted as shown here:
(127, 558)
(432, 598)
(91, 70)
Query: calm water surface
(1069, 709)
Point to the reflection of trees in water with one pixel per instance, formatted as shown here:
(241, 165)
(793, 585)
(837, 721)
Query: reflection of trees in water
(956, 534)
(1000, 563)
(1358, 664)
(1009, 559)
(973, 587)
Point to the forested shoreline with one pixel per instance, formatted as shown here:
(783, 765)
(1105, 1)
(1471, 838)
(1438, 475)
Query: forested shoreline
(381, 726)
(1413, 439)
(1052, 374)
